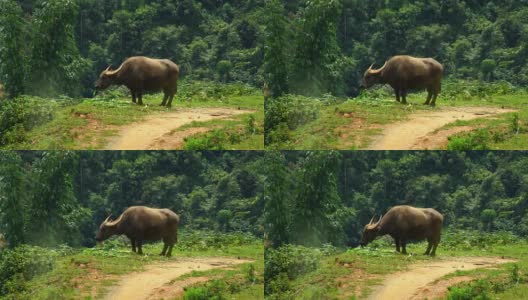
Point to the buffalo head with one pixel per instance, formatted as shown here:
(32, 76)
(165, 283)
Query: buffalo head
(105, 230)
(370, 231)
(105, 79)
(372, 76)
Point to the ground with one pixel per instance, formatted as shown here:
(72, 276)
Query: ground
(373, 123)
(378, 272)
(112, 271)
(204, 116)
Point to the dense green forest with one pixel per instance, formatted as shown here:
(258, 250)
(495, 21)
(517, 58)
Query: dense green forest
(318, 202)
(314, 198)
(53, 198)
(331, 43)
(57, 47)
(52, 203)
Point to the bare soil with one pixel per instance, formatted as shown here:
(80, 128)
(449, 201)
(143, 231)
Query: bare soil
(413, 133)
(159, 131)
(159, 281)
(419, 281)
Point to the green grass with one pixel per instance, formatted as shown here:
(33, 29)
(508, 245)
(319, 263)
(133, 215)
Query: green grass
(242, 132)
(88, 123)
(351, 273)
(81, 273)
(371, 111)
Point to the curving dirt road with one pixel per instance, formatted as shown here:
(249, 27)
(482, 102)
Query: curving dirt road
(413, 134)
(159, 131)
(156, 281)
(416, 282)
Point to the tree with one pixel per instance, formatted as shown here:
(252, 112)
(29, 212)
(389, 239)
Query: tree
(13, 197)
(277, 212)
(487, 217)
(318, 212)
(318, 64)
(13, 56)
(56, 64)
(56, 216)
(276, 59)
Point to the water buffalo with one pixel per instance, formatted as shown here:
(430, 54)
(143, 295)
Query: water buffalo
(141, 74)
(405, 73)
(404, 223)
(141, 223)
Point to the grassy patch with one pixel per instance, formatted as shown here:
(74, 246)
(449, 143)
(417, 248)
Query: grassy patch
(351, 273)
(88, 123)
(347, 124)
(88, 273)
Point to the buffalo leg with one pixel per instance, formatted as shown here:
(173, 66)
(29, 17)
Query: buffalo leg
(435, 245)
(133, 96)
(165, 97)
(404, 96)
(169, 254)
(139, 246)
(397, 95)
(140, 98)
(433, 103)
(169, 104)
(397, 241)
(429, 95)
(165, 246)
(403, 245)
(429, 246)
(133, 242)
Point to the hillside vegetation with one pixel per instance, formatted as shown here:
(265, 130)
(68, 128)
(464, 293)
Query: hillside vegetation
(318, 203)
(318, 51)
(52, 203)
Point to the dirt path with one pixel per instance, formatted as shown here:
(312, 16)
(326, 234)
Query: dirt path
(153, 283)
(413, 133)
(412, 284)
(158, 132)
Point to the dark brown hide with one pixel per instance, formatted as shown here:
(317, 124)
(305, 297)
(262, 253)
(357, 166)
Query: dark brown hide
(141, 74)
(404, 73)
(141, 223)
(406, 223)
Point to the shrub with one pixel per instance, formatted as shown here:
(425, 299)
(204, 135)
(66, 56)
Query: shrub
(474, 291)
(211, 291)
(477, 140)
(21, 264)
(22, 114)
(204, 240)
(213, 140)
(291, 260)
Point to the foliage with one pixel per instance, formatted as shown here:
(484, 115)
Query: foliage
(21, 264)
(343, 38)
(287, 263)
(473, 141)
(479, 190)
(13, 54)
(276, 47)
(288, 111)
(212, 291)
(50, 198)
(277, 212)
(12, 198)
(21, 115)
(61, 46)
